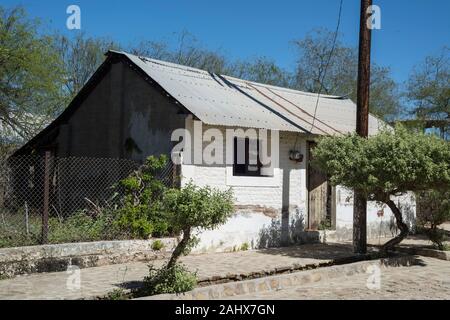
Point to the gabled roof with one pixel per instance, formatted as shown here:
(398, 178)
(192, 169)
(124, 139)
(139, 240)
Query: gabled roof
(223, 100)
(227, 101)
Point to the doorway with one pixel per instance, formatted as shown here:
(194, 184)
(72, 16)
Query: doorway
(321, 196)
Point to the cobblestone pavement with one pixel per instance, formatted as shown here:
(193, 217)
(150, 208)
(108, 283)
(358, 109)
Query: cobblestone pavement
(99, 281)
(428, 281)
(414, 240)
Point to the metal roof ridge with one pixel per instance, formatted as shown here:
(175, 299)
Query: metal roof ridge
(207, 73)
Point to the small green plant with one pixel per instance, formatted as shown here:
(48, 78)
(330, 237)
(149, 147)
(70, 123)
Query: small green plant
(245, 246)
(157, 245)
(174, 279)
(324, 224)
(4, 277)
(117, 294)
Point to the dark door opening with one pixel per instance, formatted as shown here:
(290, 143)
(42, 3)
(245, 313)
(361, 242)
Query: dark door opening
(321, 197)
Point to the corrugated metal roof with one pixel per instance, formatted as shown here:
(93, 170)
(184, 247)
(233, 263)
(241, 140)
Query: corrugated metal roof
(224, 100)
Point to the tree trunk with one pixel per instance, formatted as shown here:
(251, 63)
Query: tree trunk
(404, 230)
(180, 248)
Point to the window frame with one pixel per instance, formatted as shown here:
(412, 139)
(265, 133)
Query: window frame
(237, 171)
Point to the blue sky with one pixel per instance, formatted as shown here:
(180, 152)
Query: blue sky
(411, 29)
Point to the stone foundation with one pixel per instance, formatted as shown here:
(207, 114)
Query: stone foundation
(57, 257)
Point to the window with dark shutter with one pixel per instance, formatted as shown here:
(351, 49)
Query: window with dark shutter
(244, 167)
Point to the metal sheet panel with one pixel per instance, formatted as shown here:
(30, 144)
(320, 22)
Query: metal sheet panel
(223, 100)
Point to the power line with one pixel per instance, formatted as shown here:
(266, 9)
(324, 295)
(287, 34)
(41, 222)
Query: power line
(327, 64)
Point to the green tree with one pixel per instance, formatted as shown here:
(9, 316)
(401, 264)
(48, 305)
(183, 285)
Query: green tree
(339, 76)
(262, 70)
(388, 164)
(188, 210)
(31, 74)
(192, 208)
(428, 89)
(189, 52)
(81, 55)
(434, 210)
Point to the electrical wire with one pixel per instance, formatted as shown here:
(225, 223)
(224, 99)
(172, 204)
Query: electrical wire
(328, 63)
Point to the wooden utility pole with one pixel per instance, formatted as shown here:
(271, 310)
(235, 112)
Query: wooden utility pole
(362, 122)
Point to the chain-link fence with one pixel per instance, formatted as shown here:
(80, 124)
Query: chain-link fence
(45, 199)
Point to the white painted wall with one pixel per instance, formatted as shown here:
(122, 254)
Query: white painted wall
(246, 226)
(263, 191)
(380, 220)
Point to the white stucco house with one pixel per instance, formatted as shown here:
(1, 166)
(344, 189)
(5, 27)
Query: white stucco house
(147, 101)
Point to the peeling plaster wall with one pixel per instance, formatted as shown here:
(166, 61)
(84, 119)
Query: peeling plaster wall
(377, 226)
(259, 201)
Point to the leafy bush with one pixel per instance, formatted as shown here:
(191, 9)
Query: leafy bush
(141, 211)
(117, 294)
(436, 210)
(157, 245)
(245, 246)
(79, 227)
(13, 230)
(194, 207)
(325, 224)
(174, 279)
(82, 227)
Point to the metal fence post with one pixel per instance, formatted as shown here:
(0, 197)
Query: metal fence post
(46, 197)
(176, 179)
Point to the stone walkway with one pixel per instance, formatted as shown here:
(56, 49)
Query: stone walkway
(98, 281)
(429, 280)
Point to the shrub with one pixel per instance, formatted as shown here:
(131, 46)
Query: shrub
(245, 246)
(174, 279)
(194, 207)
(13, 231)
(435, 211)
(134, 220)
(157, 245)
(324, 224)
(117, 294)
(141, 212)
(82, 227)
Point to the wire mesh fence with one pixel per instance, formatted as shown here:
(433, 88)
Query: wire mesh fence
(46, 199)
